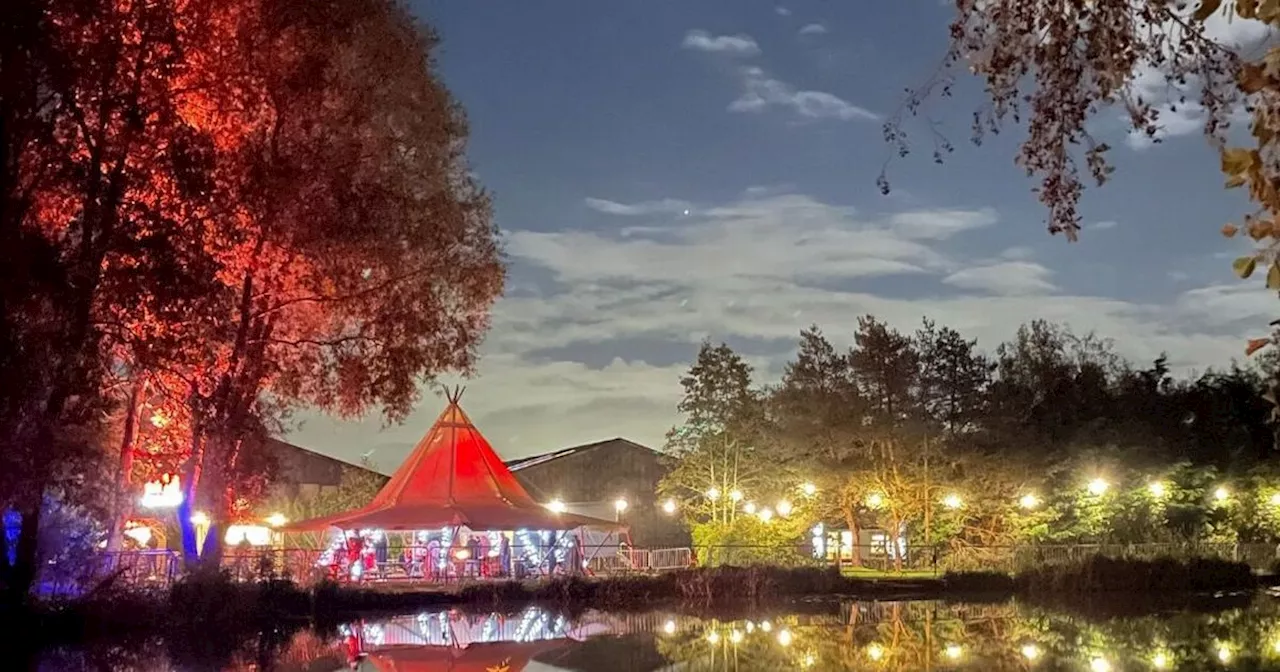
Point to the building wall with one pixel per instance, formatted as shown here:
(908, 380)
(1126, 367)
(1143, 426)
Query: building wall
(592, 479)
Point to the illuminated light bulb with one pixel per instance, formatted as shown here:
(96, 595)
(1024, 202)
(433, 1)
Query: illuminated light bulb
(1221, 494)
(713, 494)
(953, 651)
(766, 514)
(809, 489)
(1029, 501)
(735, 636)
(1157, 489)
(784, 637)
(620, 505)
(669, 627)
(875, 500)
(1275, 499)
(749, 507)
(735, 495)
(1099, 665)
(1275, 646)
(140, 534)
(952, 501)
(767, 626)
(1031, 652)
(277, 520)
(750, 627)
(1097, 487)
(556, 506)
(784, 508)
(462, 554)
(875, 651)
(199, 518)
(809, 660)
(1160, 661)
(713, 637)
(669, 506)
(1224, 654)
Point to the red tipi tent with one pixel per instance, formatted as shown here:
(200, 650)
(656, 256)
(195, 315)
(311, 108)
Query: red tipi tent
(452, 478)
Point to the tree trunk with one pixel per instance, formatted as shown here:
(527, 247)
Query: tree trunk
(26, 566)
(191, 474)
(851, 520)
(122, 507)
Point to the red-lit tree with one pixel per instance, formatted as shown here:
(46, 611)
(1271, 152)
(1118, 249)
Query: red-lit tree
(244, 205)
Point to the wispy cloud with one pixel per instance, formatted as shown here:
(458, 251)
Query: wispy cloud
(782, 11)
(664, 206)
(813, 29)
(1104, 225)
(1006, 278)
(737, 45)
(762, 91)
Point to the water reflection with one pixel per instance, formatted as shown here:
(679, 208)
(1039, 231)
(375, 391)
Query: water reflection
(880, 636)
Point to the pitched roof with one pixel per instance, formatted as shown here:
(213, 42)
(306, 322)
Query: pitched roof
(535, 460)
(452, 477)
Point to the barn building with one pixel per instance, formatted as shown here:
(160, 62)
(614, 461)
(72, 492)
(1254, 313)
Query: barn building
(590, 479)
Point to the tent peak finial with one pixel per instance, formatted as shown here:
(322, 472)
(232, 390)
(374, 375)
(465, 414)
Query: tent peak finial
(455, 394)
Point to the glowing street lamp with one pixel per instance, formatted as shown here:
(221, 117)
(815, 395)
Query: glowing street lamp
(1275, 499)
(784, 637)
(766, 514)
(809, 489)
(713, 494)
(875, 651)
(669, 627)
(1100, 665)
(784, 508)
(749, 507)
(1029, 501)
(1221, 494)
(1160, 660)
(1157, 489)
(277, 520)
(620, 504)
(669, 506)
(1097, 488)
(875, 500)
(556, 506)
(953, 652)
(952, 501)
(735, 495)
(1031, 652)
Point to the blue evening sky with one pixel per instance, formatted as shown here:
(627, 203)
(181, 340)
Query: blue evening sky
(667, 171)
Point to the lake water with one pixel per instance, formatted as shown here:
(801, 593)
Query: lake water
(1223, 633)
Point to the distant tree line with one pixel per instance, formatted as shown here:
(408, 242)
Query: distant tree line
(1049, 436)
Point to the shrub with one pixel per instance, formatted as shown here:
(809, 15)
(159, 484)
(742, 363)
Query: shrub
(1102, 574)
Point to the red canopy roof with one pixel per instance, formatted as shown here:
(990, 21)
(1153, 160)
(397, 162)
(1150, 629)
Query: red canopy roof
(452, 478)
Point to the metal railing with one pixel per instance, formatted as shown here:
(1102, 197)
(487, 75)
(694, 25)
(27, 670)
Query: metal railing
(147, 569)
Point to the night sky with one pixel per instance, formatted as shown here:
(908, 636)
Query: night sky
(669, 171)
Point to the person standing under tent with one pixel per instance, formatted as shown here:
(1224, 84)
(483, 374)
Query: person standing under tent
(504, 556)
